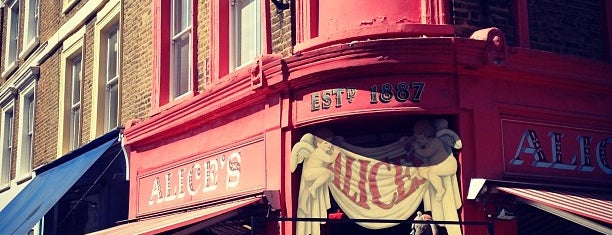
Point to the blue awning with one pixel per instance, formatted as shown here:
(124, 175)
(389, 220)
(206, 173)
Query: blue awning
(46, 189)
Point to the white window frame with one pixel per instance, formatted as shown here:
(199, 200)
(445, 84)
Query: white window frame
(177, 35)
(237, 58)
(6, 141)
(25, 145)
(11, 58)
(31, 22)
(108, 19)
(72, 48)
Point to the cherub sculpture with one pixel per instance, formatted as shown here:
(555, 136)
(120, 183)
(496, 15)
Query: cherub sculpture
(316, 153)
(433, 143)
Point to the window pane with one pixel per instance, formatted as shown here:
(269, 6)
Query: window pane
(76, 80)
(32, 20)
(30, 114)
(112, 106)
(13, 33)
(112, 53)
(182, 15)
(75, 130)
(5, 170)
(247, 31)
(8, 128)
(181, 65)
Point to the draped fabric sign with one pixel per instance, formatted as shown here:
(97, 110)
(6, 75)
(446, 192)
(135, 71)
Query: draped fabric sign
(387, 182)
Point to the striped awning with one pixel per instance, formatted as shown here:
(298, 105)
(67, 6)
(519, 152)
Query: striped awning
(591, 205)
(166, 223)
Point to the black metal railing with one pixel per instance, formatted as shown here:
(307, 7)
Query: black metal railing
(257, 220)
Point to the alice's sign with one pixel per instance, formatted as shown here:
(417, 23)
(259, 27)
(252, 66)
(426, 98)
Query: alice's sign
(558, 151)
(206, 177)
(387, 182)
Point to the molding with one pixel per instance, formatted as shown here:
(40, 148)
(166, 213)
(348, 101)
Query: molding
(8, 96)
(391, 32)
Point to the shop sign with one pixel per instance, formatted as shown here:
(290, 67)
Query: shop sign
(205, 178)
(387, 182)
(555, 150)
(374, 95)
(400, 92)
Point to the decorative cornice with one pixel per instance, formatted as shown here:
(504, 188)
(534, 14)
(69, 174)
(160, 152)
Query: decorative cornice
(9, 94)
(29, 75)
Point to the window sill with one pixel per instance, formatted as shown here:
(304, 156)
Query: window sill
(24, 178)
(178, 100)
(67, 5)
(10, 69)
(5, 187)
(29, 48)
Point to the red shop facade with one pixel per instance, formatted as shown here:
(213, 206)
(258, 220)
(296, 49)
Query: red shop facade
(351, 126)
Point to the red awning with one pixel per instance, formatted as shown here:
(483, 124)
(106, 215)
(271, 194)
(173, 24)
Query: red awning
(165, 223)
(568, 204)
(597, 206)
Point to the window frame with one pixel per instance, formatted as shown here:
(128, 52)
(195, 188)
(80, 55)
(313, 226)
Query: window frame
(25, 145)
(31, 21)
(6, 158)
(177, 35)
(220, 37)
(236, 59)
(11, 56)
(108, 18)
(72, 48)
(162, 95)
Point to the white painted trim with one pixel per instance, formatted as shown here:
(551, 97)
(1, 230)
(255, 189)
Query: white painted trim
(28, 46)
(9, 105)
(67, 5)
(8, 70)
(28, 90)
(10, 67)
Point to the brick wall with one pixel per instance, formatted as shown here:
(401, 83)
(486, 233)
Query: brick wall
(471, 15)
(572, 27)
(281, 30)
(47, 111)
(136, 59)
(203, 47)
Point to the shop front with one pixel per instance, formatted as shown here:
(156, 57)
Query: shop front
(202, 169)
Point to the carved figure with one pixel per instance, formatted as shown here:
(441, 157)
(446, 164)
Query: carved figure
(433, 143)
(433, 147)
(317, 154)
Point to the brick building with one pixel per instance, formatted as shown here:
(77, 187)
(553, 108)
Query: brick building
(64, 101)
(228, 104)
